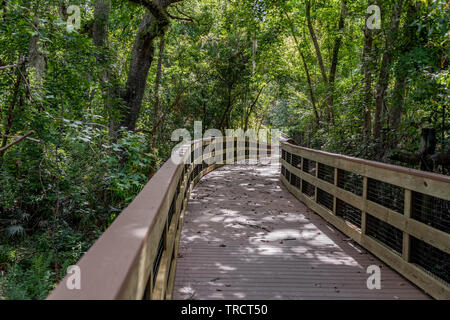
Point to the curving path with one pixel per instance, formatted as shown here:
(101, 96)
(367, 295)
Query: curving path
(246, 237)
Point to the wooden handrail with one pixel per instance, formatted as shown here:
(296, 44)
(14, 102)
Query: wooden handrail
(135, 258)
(413, 183)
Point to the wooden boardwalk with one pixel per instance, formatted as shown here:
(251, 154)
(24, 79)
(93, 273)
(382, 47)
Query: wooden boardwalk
(246, 237)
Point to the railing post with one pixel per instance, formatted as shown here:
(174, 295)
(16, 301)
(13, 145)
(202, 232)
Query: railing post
(317, 176)
(301, 169)
(406, 237)
(334, 197)
(364, 211)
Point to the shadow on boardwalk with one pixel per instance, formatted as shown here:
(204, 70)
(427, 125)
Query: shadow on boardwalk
(246, 237)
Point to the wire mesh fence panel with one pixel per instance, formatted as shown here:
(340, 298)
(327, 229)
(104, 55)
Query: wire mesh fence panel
(432, 211)
(158, 257)
(350, 181)
(288, 175)
(326, 173)
(309, 166)
(288, 157)
(431, 259)
(385, 233)
(388, 195)
(283, 154)
(325, 199)
(308, 189)
(348, 213)
(172, 209)
(283, 171)
(296, 161)
(295, 181)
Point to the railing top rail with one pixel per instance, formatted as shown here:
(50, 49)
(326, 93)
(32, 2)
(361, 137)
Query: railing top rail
(118, 264)
(399, 169)
(116, 255)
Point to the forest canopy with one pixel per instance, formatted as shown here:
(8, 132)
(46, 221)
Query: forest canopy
(91, 91)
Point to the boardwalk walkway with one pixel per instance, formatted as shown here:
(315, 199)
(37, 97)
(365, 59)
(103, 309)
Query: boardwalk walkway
(246, 237)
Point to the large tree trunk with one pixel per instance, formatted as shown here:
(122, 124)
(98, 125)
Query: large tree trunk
(367, 68)
(108, 80)
(162, 42)
(315, 42)
(336, 48)
(102, 9)
(250, 110)
(152, 25)
(16, 92)
(308, 76)
(401, 75)
(383, 80)
(328, 81)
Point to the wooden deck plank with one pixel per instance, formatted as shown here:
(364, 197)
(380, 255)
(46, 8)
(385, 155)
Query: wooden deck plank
(246, 237)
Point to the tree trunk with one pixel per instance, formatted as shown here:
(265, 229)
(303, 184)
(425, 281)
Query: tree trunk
(248, 114)
(108, 80)
(335, 57)
(308, 76)
(21, 69)
(401, 75)
(367, 66)
(102, 9)
(152, 25)
(383, 81)
(315, 42)
(162, 42)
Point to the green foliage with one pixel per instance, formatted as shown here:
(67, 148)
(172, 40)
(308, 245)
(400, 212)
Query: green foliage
(236, 63)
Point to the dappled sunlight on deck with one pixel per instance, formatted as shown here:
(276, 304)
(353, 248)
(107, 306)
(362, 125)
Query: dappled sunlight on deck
(246, 237)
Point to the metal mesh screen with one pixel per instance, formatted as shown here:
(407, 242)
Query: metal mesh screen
(431, 259)
(350, 181)
(283, 154)
(432, 211)
(288, 157)
(288, 175)
(325, 199)
(348, 213)
(159, 253)
(197, 169)
(283, 171)
(172, 209)
(296, 161)
(295, 181)
(308, 189)
(385, 233)
(191, 177)
(309, 166)
(326, 173)
(386, 194)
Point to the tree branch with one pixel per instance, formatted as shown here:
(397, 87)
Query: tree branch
(3, 149)
(158, 12)
(180, 18)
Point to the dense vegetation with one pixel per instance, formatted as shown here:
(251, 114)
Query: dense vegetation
(97, 104)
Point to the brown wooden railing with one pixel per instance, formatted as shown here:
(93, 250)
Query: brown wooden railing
(136, 256)
(401, 215)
